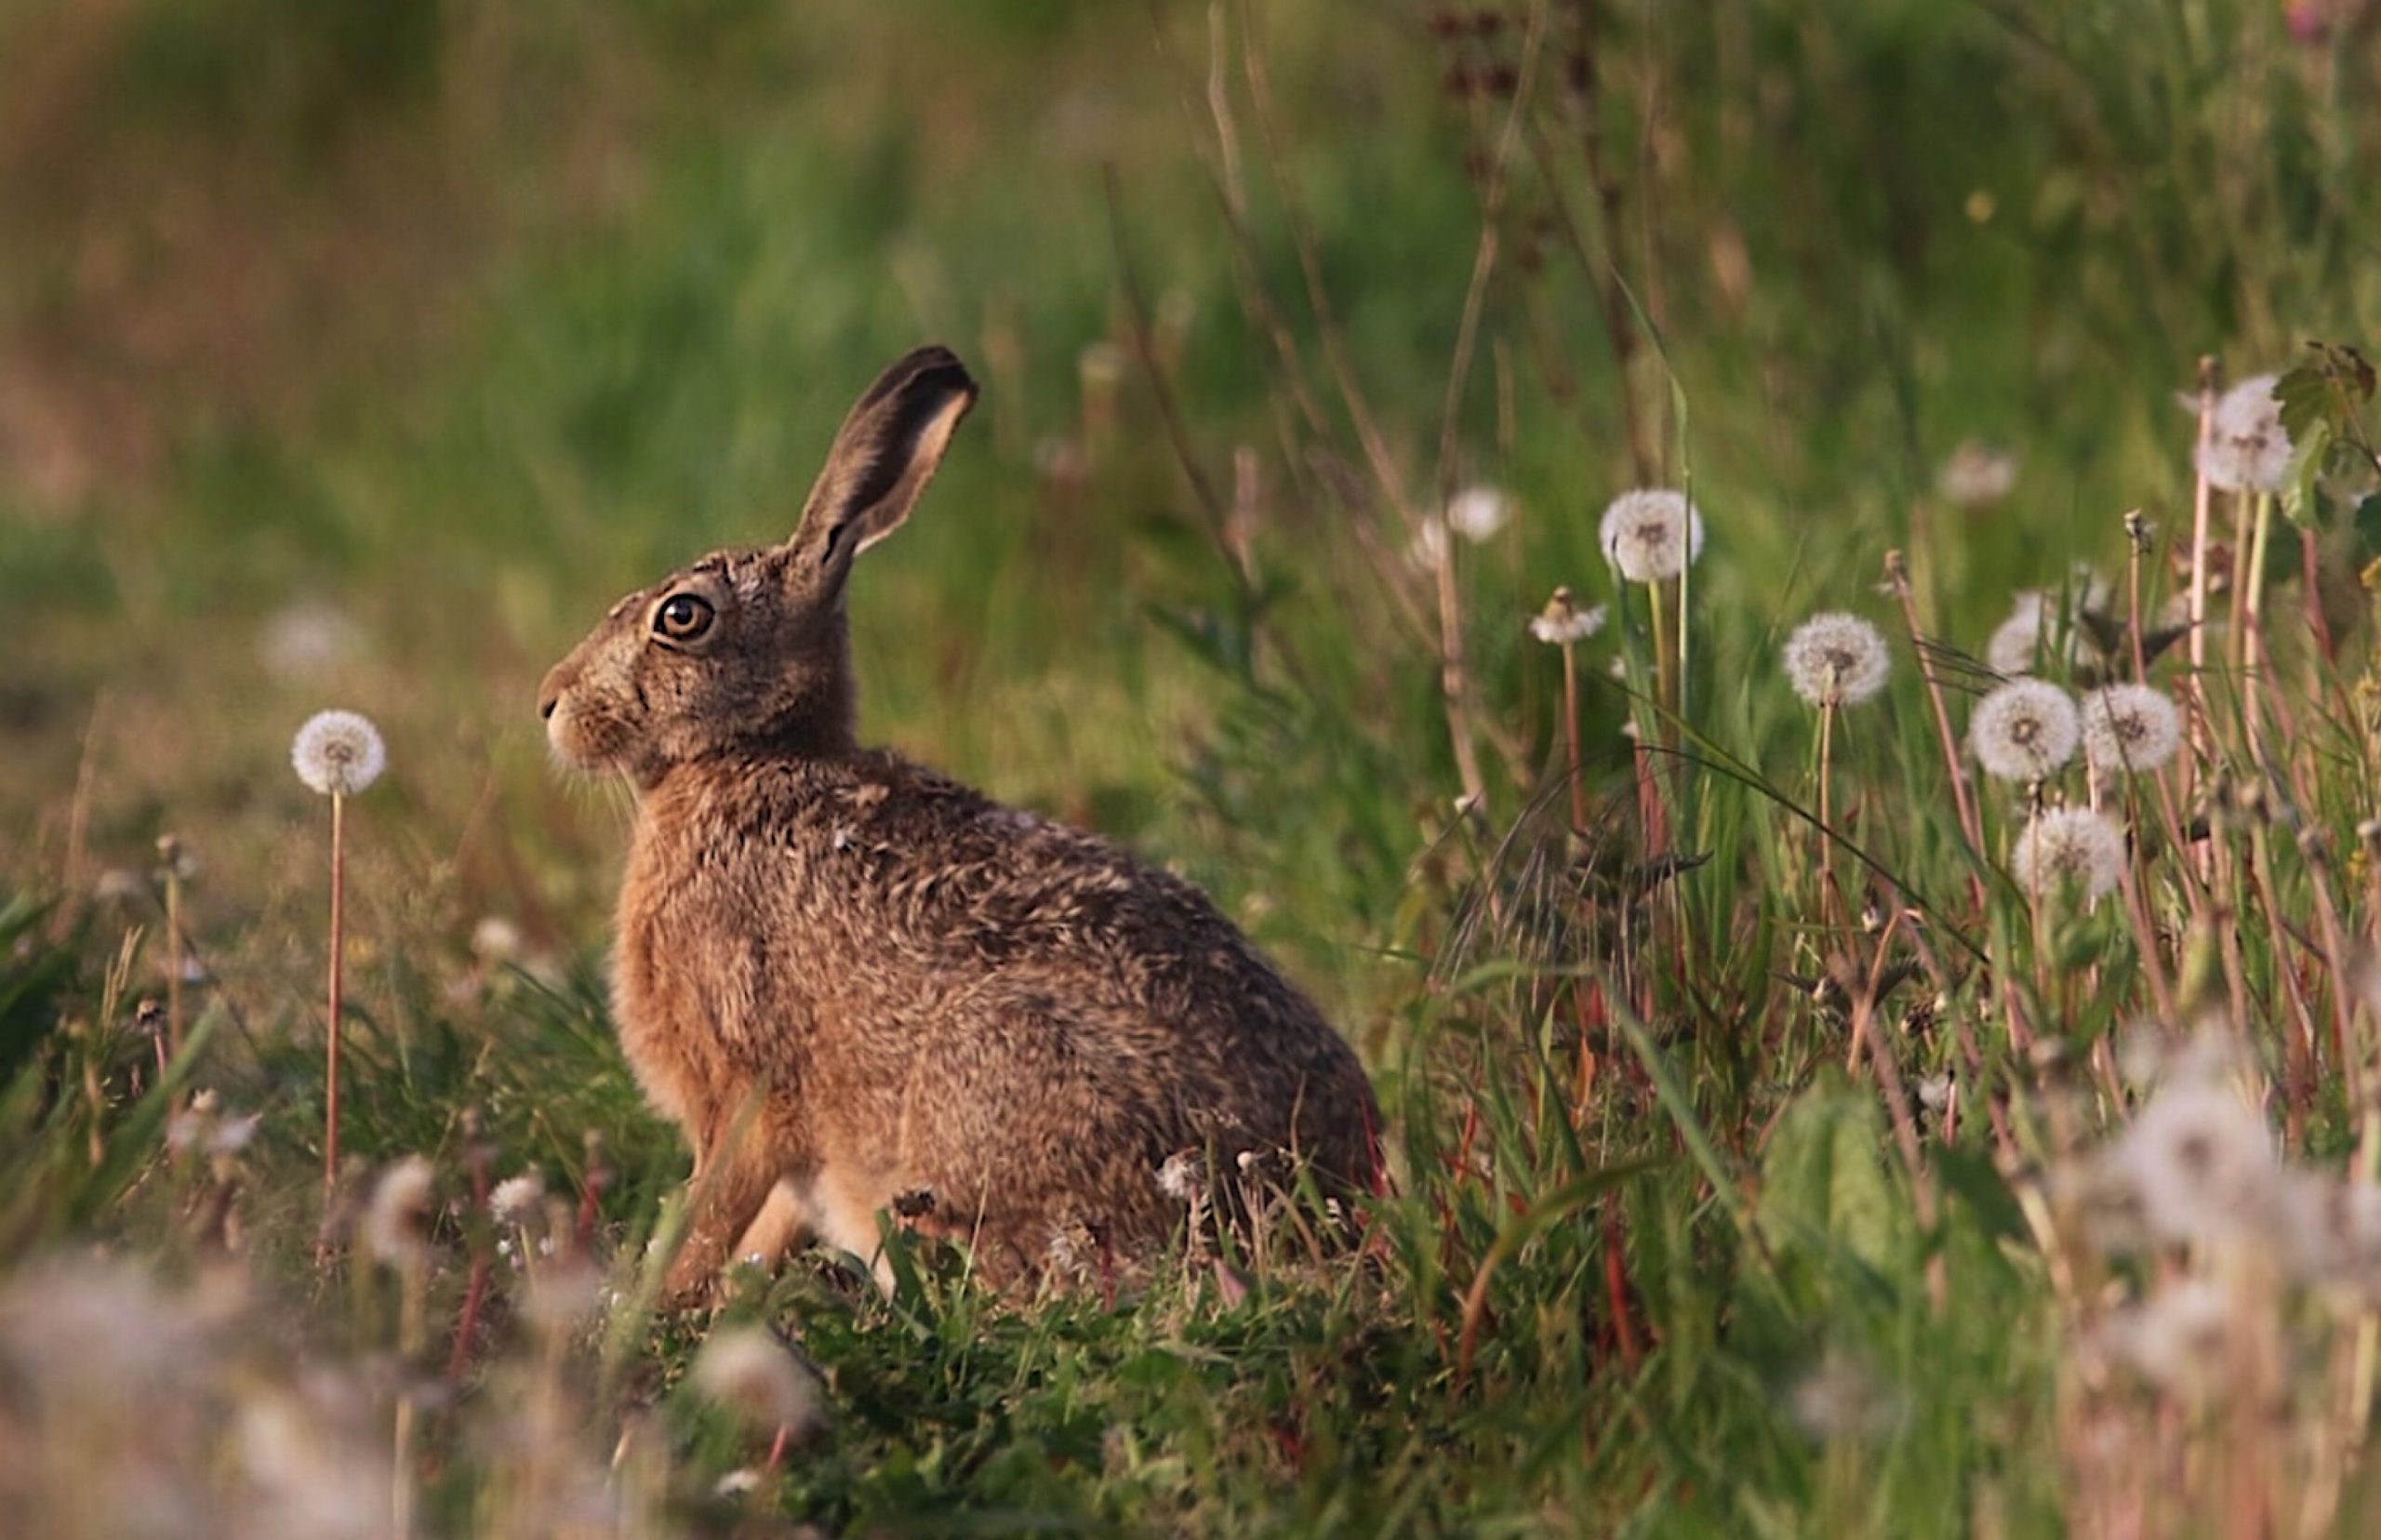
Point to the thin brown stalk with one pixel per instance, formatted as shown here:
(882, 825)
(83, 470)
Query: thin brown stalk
(1889, 1080)
(1573, 759)
(1963, 794)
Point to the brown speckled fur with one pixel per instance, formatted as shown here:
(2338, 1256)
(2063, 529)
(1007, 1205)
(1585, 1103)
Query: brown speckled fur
(858, 986)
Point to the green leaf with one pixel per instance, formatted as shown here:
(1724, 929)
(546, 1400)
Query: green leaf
(1824, 1181)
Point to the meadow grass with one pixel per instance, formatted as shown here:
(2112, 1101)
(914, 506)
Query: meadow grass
(1774, 1150)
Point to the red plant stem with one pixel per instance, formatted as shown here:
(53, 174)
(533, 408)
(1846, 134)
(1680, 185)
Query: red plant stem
(474, 1293)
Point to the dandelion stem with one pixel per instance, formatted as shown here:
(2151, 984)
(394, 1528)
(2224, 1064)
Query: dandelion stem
(1826, 813)
(1665, 670)
(2201, 496)
(1455, 680)
(2253, 632)
(1571, 737)
(338, 951)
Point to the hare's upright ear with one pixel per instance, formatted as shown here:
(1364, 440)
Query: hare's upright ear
(884, 455)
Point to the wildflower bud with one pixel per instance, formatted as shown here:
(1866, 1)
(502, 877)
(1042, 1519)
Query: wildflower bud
(1872, 918)
(2138, 531)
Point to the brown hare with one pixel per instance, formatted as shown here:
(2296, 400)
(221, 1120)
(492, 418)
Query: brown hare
(858, 986)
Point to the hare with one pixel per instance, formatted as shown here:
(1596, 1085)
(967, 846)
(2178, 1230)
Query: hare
(858, 985)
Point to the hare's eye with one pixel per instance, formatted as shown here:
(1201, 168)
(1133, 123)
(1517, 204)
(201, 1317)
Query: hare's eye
(682, 618)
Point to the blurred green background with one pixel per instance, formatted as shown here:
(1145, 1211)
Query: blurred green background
(359, 355)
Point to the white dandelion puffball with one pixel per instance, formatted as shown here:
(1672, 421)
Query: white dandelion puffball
(516, 1199)
(1478, 512)
(2200, 1161)
(2131, 727)
(1561, 622)
(2032, 628)
(1977, 476)
(397, 1221)
(2247, 449)
(2069, 845)
(338, 753)
(1837, 660)
(2024, 730)
(1651, 535)
(2185, 1337)
(753, 1374)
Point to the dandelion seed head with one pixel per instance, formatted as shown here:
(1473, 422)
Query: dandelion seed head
(1478, 512)
(1651, 534)
(1561, 622)
(2247, 449)
(2069, 845)
(2200, 1161)
(396, 1221)
(2031, 631)
(564, 1293)
(338, 753)
(747, 1370)
(2024, 730)
(1181, 1177)
(495, 939)
(516, 1199)
(1837, 660)
(1977, 475)
(2130, 727)
(307, 640)
(2182, 1339)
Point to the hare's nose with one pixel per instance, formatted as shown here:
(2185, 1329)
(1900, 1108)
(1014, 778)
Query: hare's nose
(550, 693)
